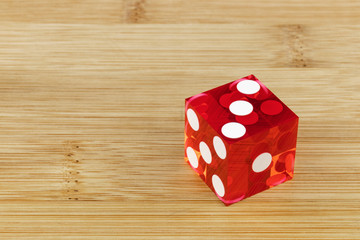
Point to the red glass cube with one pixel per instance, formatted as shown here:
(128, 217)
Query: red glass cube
(240, 139)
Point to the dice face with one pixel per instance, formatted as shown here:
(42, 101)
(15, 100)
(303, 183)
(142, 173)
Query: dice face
(240, 139)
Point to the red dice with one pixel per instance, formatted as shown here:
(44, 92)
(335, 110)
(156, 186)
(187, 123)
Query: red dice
(240, 139)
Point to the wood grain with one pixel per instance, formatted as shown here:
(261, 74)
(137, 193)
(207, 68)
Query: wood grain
(185, 12)
(91, 143)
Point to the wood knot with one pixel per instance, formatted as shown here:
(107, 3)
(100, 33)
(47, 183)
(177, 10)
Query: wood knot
(70, 171)
(134, 11)
(293, 38)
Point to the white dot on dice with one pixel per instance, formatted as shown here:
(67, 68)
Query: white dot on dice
(205, 152)
(233, 130)
(262, 162)
(191, 155)
(248, 87)
(219, 147)
(241, 108)
(192, 119)
(218, 186)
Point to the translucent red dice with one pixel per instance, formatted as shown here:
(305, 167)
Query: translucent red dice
(240, 139)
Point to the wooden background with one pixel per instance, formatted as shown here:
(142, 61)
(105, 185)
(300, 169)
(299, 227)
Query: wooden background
(92, 115)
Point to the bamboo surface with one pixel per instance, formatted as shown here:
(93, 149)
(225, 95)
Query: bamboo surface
(92, 116)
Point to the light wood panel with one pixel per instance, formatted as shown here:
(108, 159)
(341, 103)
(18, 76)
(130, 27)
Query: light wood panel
(180, 12)
(258, 11)
(91, 143)
(255, 219)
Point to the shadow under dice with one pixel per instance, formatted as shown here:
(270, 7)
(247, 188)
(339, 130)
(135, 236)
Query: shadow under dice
(240, 139)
